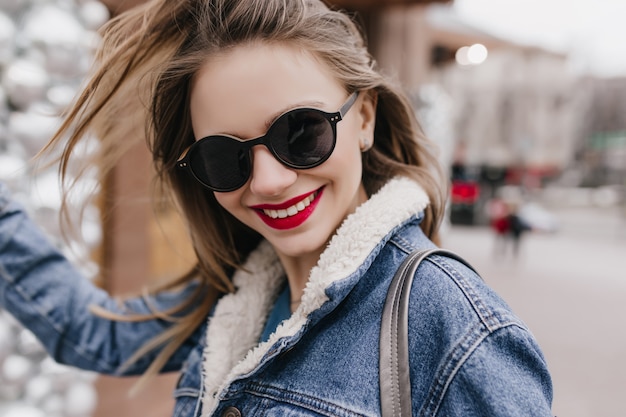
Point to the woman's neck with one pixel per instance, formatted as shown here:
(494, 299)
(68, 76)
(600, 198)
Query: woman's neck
(297, 270)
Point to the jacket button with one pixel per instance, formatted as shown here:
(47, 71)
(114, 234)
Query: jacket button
(231, 412)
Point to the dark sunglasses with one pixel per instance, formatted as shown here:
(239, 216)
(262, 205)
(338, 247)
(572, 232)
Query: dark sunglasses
(301, 138)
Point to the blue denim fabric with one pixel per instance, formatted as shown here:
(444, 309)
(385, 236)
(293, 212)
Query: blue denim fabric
(50, 297)
(469, 354)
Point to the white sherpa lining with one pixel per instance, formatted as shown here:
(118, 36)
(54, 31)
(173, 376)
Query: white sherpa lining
(232, 347)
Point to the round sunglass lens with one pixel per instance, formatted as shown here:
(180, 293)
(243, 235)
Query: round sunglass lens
(220, 163)
(303, 138)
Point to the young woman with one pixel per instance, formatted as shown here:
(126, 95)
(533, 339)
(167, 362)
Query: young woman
(305, 182)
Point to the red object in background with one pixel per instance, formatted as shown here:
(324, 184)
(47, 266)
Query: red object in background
(501, 225)
(465, 192)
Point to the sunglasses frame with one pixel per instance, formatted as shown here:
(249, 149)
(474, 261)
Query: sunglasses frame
(247, 144)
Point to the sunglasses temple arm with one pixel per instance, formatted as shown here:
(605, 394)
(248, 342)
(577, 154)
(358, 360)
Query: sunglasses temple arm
(344, 109)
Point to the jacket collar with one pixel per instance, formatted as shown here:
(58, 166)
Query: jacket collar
(232, 348)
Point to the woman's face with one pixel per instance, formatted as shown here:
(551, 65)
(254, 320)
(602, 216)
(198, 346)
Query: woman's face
(240, 93)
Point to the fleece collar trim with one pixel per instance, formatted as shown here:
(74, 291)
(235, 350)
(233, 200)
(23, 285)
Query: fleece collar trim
(232, 339)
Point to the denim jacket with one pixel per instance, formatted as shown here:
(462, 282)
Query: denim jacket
(469, 354)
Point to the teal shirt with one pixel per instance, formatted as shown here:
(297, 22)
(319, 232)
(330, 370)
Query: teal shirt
(280, 312)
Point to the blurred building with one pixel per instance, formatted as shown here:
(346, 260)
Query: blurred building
(515, 123)
(523, 118)
(601, 153)
(501, 113)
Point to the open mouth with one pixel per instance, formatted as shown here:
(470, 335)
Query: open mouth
(291, 210)
(290, 214)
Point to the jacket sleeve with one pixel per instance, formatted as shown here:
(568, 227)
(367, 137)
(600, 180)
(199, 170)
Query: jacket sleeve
(50, 297)
(506, 375)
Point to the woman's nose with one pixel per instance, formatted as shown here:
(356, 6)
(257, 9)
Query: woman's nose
(269, 176)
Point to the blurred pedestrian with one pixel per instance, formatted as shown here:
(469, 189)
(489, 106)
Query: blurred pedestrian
(498, 215)
(305, 182)
(518, 226)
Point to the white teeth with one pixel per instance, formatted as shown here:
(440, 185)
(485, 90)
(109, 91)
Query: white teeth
(290, 211)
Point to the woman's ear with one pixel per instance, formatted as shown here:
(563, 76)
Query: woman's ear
(368, 119)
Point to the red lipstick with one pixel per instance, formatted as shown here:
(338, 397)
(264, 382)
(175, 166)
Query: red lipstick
(291, 213)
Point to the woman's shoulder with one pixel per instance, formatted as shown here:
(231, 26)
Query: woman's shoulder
(442, 282)
(449, 289)
(452, 303)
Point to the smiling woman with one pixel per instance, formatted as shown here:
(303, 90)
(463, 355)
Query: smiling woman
(304, 182)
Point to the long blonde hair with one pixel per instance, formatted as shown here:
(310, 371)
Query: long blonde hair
(145, 67)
